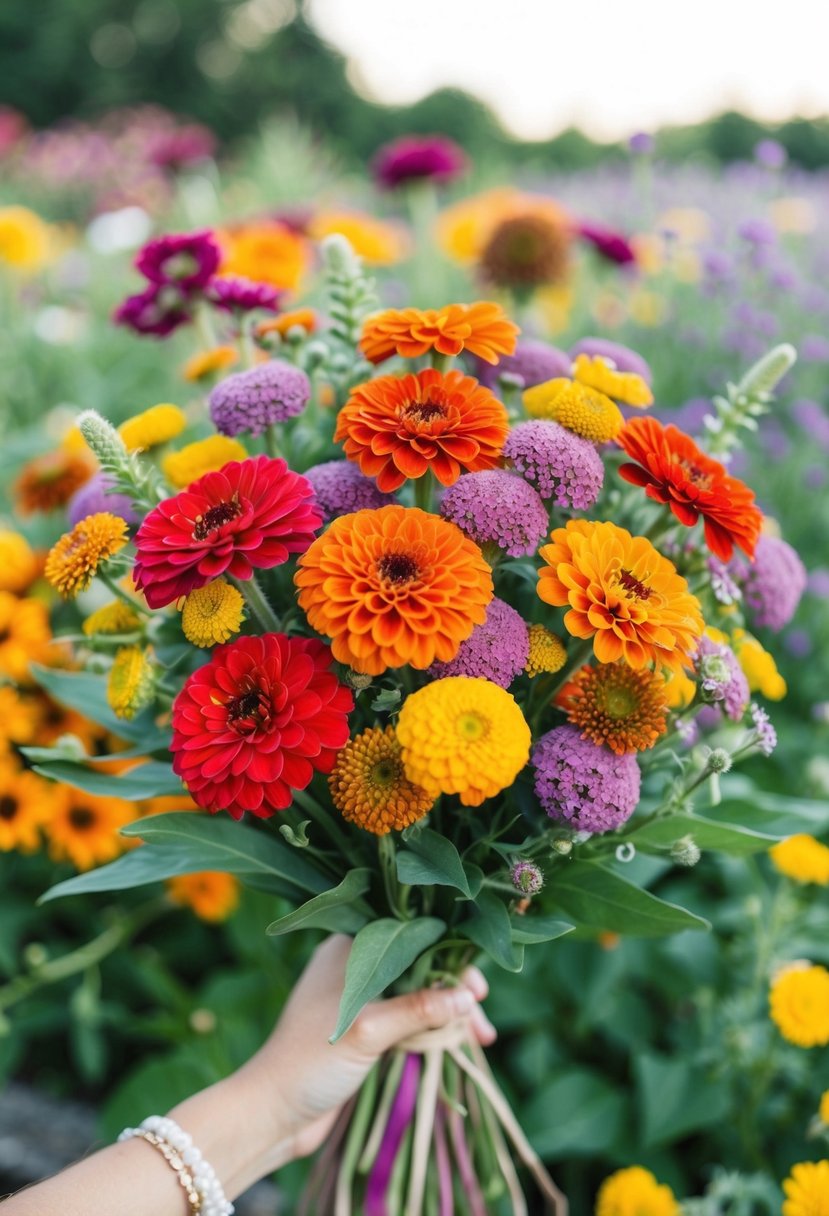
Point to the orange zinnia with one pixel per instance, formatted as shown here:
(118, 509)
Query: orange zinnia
(674, 471)
(482, 328)
(398, 428)
(394, 586)
(616, 706)
(621, 593)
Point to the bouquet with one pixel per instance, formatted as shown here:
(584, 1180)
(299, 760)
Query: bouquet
(438, 644)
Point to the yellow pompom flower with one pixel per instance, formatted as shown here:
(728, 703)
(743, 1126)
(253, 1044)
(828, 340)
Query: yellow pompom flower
(212, 614)
(207, 362)
(211, 894)
(580, 409)
(131, 681)
(547, 652)
(758, 666)
(74, 561)
(159, 424)
(601, 374)
(799, 1004)
(802, 858)
(204, 456)
(375, 241)
(463, 735)
(369, 785)
(635, 1192)
(25, 239)
(24, 635)
(18, 564)
(807, 1189)
(116, 617)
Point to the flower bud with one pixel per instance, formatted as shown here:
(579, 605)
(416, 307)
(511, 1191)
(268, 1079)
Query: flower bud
(562, 847)
(526, 877)
(719, 760)
(685, 851)
(103, 439)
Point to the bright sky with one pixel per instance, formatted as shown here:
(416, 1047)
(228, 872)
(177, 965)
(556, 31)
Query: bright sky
(611, 67)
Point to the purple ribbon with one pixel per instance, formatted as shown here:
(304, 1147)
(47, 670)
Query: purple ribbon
(400, 1116)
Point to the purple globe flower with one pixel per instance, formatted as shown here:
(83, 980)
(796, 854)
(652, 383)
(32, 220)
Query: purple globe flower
(187, 260)
(770, 154)
(497, 508)
(157, 311)
(612, 246)
(625, 359)
(560, 464)
(497, 650)
(534, 361)
(721, 677)
(256, 399)
(641, 143)
(418, 157)
(93, 497)
(340, 488)
(773, 583)
(582, 784)
(234, 293)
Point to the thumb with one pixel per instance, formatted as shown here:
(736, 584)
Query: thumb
(382, 1025)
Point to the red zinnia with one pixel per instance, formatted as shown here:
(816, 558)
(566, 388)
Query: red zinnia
(257, 722)
(396, 428)
(251, 514)
(674, 471)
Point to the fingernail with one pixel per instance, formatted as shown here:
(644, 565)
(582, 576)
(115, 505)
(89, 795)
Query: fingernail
(462, 1001)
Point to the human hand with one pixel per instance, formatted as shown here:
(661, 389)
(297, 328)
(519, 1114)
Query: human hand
(308, 1079)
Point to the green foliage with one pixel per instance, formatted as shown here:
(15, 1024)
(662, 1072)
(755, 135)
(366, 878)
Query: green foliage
(596, 896)
(335, 911)
(430, 858)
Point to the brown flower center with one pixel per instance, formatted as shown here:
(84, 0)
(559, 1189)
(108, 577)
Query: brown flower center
(215, 518)
(423, 411)
(633, 586)
(249, 710)
(700, 479)
(397, 568)
(81, 817)
(8, 807)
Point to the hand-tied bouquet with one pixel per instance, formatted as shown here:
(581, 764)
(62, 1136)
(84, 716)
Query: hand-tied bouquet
(435, 694)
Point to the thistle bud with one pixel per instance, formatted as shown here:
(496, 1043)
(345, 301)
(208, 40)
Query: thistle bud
(685, 851)
(526, 877)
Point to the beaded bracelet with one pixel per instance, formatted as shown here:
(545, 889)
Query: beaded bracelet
(203, 1189)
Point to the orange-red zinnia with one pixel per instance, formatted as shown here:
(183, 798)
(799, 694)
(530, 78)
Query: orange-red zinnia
(481, 328)
(395, 428)
(622, 593)
(674, 471)
(393, 586)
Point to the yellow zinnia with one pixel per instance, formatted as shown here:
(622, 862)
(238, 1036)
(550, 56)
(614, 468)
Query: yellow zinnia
(807, 1189)
(159, 424)
(74, 561)
(802, 858)
(375, 241)
(601, 374)
(184, 467)
(18, 564)
(24, 635)
(212, 614)
(635, 1192)
(799, 1004)
(26, 242)
(463, 735)
(579, 408)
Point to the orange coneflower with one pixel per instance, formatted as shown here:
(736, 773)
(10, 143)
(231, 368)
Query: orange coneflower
(83, 828)
(267, 252)
(369, 785)
(622, 593)
(616, 706)
(674, 471)
(393, 586)
(26, 803)
(481, 328)
(395, 428)
(74, 561)
(24, 635)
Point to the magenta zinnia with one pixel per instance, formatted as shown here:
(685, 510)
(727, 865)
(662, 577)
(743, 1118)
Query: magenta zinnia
(256, 723)
(250, 515)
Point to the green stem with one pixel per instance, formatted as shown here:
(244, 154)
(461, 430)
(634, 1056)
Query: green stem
(395, 893)
(272, 445)
(324, 819)
(356, 1139)
(423, 492)
(204, 326)
(441, 363)
(119, 593)
(255, 599)
(86, 956)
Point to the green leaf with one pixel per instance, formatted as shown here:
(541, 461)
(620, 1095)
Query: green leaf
(776, 814)
(578, 1113)
(333, 910)
(381, 953)
(600, 899)
(87, 694)
(386, 701)
(432, 860)
(489, 928)
(528, 930)
(150, 780)
(186, 843)
(675, 1100)
(733, 838)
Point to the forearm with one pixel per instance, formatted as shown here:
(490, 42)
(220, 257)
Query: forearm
(227, 1124)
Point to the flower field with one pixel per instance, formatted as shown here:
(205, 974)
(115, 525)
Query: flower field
(442, 561)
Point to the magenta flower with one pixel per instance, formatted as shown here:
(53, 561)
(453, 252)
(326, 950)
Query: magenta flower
(188, 260)
(156, 311)
(418, 157)
(610, 245)
(234, 293)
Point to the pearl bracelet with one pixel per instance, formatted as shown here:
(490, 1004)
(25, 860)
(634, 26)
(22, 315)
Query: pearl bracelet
(193, 1171)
